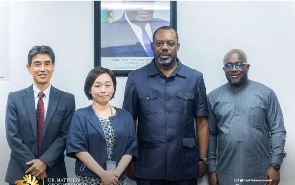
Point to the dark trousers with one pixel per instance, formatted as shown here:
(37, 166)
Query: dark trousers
(165, 182)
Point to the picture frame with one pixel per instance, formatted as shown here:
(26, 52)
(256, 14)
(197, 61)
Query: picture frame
(119, 42)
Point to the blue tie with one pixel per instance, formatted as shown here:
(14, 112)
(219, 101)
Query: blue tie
(147, 42)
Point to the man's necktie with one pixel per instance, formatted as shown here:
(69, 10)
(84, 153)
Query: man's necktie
(147, 42)
(40, 120)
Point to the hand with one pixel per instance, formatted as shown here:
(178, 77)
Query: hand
(202, 169)
(272, 176)
(37, 167)
(130, 171)
(212, 178)
(116, 174)
(108, 178)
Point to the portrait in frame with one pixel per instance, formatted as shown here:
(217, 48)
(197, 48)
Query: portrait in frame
(123, 32)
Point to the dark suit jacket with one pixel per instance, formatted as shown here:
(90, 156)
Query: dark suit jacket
(21, 132)
(119, 40)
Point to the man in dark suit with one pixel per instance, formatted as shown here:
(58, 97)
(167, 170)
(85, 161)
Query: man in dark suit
(37, 122)
(131, 35)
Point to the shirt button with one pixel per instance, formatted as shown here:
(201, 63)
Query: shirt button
(167, 98)
(166, 85)
(167, 113)
(169, 143)
(167, 128)
(148, 98)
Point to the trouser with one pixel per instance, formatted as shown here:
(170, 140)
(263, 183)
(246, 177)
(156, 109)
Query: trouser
(140, 181)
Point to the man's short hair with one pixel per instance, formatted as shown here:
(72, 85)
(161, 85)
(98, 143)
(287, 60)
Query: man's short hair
(238, 51)
(91, 77)
(165, 28)
(40, 50)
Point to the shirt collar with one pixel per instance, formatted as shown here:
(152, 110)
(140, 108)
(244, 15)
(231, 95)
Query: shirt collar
(153, 70)
(238, 89)
(46, 91)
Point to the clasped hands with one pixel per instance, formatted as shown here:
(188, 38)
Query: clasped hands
(37, 169)
(110, 178)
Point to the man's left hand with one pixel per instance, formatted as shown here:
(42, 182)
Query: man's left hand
(202, 169)
(272, 176)
(37, 167)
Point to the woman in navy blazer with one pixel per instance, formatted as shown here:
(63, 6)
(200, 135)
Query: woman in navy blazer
(101, 137)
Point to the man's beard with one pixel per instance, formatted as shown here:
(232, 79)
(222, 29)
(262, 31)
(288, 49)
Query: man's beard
(239, 83)
(166, 62)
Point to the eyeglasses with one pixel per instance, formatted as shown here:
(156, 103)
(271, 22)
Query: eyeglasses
(238, 65)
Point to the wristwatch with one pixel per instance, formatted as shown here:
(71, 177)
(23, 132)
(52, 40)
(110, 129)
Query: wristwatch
(205, 160)
(275, 166)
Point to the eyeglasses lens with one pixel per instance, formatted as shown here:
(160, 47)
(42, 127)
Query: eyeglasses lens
(230, 66)
(239, 65)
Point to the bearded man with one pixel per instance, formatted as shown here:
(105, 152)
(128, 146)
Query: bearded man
(247, 133)
(166, 98)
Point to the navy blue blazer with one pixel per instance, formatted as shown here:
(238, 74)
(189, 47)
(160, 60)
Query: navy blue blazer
(119, 40)
(21, 132)
(86, 135)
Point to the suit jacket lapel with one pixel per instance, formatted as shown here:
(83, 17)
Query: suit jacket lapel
(52, 104)
(115, 124)
(31, 109)
(94, 121)
(134, 44)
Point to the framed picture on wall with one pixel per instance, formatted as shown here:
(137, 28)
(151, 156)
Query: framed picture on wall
(123, 32)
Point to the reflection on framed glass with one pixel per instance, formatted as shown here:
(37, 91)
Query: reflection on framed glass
(123, 32)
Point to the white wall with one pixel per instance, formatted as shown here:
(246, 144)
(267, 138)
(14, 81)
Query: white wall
(207, 30)
(4, 42)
